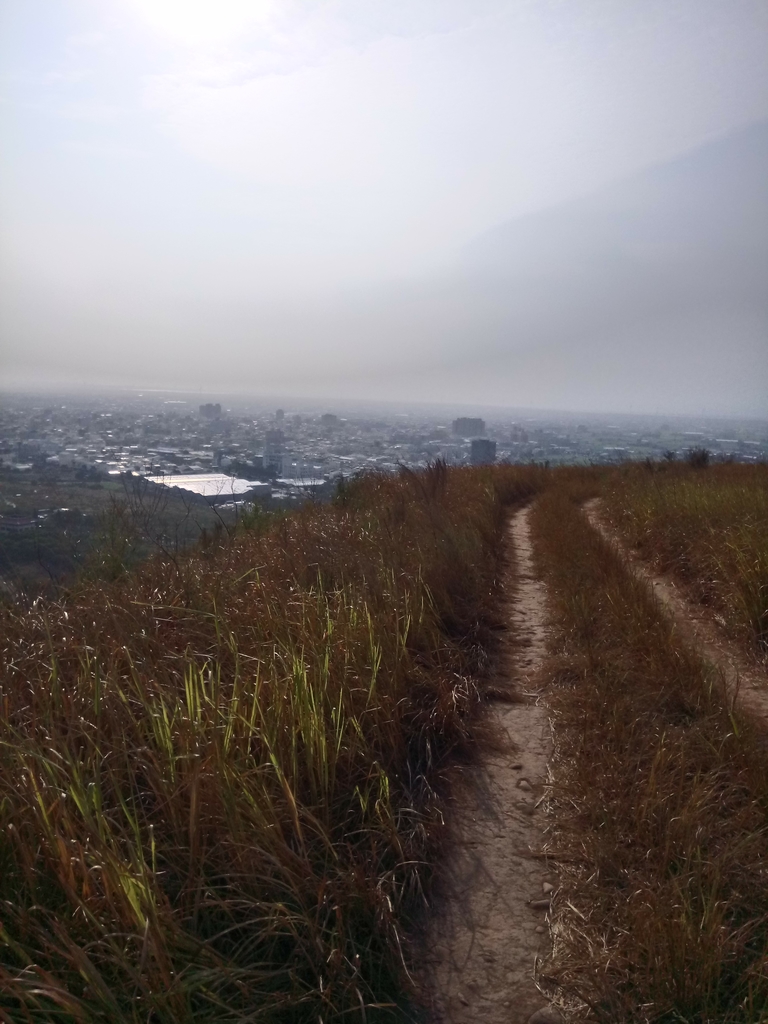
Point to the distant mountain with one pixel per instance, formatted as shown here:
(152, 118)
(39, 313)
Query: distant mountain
(700, 221)
(654, 289)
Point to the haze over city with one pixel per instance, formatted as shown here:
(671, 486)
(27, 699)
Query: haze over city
(514, 204)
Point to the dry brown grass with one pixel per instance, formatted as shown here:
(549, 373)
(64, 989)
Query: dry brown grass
(660, 803)
(218, 773)
(709, 528)
(221, 775)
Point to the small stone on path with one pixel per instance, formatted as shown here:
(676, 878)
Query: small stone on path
(546, 1015)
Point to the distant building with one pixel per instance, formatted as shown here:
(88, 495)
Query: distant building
(215, 488)
(329, 419)
(280, 415)
(209, 411)
(9, 524)
(468, 426)
(273, 463)
(69, 457)
(273, 452)
(483, 451)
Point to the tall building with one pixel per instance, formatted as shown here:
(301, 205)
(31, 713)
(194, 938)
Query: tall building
(483, 451)
(273, 451)
(468, 426)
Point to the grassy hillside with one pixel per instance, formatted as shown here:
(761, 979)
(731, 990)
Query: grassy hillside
(223, 773)
(83, 516)
(219, 773)
(709, 528)
(660, 797)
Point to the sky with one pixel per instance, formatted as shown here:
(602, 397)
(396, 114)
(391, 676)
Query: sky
(544, 203)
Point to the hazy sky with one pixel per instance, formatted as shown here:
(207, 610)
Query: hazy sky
(308, 197)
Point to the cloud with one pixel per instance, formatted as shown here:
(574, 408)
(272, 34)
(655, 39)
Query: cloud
(93, 110)
(105, 150)
(286, 24)
(86, 40)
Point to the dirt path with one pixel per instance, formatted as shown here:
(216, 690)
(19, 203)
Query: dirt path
(490, 925)
(744, 679)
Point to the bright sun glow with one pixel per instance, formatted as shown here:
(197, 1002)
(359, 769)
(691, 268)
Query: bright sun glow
(199, 21)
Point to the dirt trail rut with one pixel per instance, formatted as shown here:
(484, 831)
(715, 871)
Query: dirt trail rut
(744, 679)
(490, 924)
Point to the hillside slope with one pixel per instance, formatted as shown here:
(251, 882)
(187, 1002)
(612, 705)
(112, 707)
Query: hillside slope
(219, 773)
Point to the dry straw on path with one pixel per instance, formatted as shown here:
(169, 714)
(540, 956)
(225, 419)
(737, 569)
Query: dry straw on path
(489, 927)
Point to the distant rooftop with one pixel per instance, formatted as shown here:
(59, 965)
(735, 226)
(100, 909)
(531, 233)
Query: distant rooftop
(208, 485)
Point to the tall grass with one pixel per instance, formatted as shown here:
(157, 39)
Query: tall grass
(660, 794)
(220, 774)
(710, 529)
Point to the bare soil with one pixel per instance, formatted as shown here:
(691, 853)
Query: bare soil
(490, 925)
(745, 679)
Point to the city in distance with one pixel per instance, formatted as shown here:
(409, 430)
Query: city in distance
(184, 463)
(359, 241)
